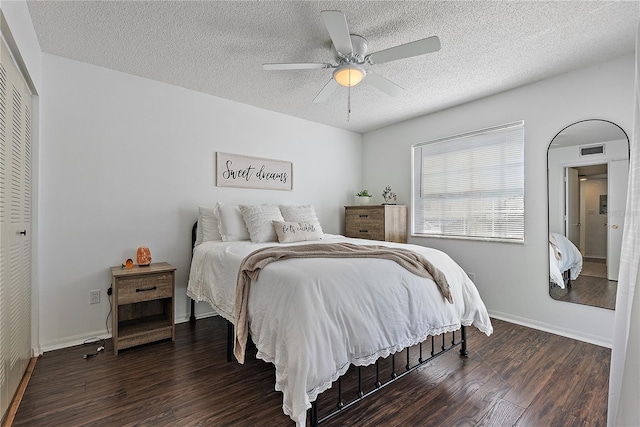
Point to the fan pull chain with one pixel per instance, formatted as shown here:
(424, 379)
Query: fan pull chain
(349, 99)
(349, 103)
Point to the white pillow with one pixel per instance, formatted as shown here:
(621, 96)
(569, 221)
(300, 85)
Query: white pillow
(198, 232)
(208, 225)
(259, 220)
(230, 223)
(302, 213)
(289, 231)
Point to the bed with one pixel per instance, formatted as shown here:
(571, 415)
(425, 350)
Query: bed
(314, 317)
(565, 260)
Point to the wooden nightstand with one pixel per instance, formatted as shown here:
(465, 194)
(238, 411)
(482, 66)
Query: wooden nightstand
(142, 304)
(377, 222)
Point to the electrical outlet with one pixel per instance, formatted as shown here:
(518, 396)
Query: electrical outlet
(472, 276)
(94, 297)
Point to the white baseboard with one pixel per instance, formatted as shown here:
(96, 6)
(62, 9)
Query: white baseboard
(73, 340)
(81, 339)
(36, 351)
(551, 328)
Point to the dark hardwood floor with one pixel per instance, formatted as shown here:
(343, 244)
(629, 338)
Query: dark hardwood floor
(518, 376)
(587, 290)
(591, 287)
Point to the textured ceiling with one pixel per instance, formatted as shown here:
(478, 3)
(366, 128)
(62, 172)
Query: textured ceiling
(217, 47)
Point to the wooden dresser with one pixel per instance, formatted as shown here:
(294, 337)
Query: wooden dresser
(377, 222)
(142, 304)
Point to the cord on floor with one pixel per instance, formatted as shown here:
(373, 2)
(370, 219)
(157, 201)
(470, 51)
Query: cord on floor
(95, 340)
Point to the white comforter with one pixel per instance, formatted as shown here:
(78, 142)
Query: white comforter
(570, 259)
(312, 318)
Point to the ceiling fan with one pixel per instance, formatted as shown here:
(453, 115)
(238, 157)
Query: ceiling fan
(350, 52)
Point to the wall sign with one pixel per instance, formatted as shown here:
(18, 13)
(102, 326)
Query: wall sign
(233, 170)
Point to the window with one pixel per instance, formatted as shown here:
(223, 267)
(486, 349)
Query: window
(471, 186)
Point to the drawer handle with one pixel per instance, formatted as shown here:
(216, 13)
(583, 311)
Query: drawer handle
(364, 231)
(364, 216)
(153, 288)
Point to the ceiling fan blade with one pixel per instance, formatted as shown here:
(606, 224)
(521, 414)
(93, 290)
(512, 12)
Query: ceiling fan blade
(326, 91)
(418, 47)
(382, 83)
(297, 66)
(336, 24)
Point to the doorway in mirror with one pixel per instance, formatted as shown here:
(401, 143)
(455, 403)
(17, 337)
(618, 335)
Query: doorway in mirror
(587, 164)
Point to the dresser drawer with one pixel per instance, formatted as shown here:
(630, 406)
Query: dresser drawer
(363, 215)
(145, 288)
(366, 233)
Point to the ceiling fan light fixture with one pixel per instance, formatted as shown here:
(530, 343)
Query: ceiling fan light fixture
(348, 75)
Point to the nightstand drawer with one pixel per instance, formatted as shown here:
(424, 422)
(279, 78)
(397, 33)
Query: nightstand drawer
(145, 288)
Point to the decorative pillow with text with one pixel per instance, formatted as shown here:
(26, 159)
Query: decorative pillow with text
(300, 213)
(289, 231)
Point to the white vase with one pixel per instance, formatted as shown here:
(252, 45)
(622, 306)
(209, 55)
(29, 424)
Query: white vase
(363, 200)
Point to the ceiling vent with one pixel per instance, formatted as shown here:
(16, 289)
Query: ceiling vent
(591, 150)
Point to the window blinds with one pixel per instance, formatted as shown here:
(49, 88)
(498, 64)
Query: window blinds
(471, 186)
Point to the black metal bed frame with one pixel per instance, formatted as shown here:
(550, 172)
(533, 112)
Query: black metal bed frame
(566, 278)
(380, 383)
(341, 405)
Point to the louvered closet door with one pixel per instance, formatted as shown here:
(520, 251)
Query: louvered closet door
(15, 230)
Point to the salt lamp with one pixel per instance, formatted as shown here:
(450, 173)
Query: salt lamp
(143, 256)
(129, 264)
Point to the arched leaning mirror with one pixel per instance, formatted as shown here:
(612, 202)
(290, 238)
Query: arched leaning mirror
(588, 165)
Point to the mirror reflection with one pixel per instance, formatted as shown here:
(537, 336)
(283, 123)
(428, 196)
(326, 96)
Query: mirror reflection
(588, 164)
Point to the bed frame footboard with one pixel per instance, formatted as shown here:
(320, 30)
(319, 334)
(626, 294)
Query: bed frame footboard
(426, 353)
(567, 277)
(438, 347)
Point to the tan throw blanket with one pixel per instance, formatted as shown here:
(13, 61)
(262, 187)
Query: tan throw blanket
(257, 260)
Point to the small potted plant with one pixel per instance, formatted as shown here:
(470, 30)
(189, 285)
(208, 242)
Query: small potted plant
(363, 197)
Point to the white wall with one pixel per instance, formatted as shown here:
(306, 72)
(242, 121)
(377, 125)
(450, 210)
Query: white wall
(125, 161)
(513, 278)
